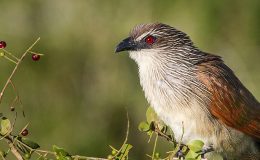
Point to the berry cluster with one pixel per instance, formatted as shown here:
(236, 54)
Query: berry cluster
(35, 56)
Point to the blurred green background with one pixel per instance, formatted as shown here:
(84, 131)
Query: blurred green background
(76, 95)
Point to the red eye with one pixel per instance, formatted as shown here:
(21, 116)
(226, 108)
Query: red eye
(150, 40)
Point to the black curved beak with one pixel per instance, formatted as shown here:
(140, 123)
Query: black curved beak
(127, 44)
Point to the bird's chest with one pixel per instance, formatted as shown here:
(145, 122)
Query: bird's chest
(173, 104)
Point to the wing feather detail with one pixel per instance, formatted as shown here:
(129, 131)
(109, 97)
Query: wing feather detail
(231, 102)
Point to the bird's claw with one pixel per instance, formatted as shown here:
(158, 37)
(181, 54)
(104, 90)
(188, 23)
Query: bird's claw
(205, 150)
(180, 153)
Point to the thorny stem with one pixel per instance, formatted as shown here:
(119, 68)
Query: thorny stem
(15, 68)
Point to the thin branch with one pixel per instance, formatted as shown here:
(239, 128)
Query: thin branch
(2, 156)
(9, 59)
(87, 158)
(126, 137)
(13, 149)
(15, 68)
(36, 53)
(155, 145)
(15, 118)
(10, 54)
(39, 152)
(164, 135)
(17, 97)
(26, 126)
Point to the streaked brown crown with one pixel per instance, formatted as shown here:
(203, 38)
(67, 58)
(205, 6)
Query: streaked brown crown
(166, 36)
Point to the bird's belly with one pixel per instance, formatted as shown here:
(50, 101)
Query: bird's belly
(187, 120)
(186, 124)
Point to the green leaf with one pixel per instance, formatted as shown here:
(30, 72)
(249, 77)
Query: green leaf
(150, 133)
(60, 152)
(28, 142)
(191, 155)
(195, 145)
(5, 126)
(151, 115)
(144, 127)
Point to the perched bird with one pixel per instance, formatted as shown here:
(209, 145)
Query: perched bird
(193, 89)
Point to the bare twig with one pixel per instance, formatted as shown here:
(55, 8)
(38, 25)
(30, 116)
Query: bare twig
(126, 137)
(10, 54)
(155, 145)
(15, 68)
(9, 59)
(24, 128)
(36, 53)
(164, 135)
(15, 118)
(2, 156)
(17, 98)
(13, 149)
(40, 152)
(77, 157)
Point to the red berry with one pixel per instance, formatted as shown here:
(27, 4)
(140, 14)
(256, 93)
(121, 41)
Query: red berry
(36, 57)
(2, 44)
(25, 132)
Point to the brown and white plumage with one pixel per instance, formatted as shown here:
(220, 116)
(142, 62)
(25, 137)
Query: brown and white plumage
(194, 89)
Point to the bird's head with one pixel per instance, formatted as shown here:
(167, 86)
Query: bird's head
(153, 37)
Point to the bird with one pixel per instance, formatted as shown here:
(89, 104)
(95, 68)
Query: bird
(194, 90)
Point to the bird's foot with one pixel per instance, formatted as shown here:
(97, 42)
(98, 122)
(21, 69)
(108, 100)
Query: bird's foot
(180, 153)
(205, 150)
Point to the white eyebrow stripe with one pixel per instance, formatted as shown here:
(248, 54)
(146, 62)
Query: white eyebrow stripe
(143, 35)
